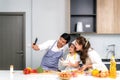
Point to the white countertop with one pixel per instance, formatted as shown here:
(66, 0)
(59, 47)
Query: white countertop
(18, 75)
(109, 62)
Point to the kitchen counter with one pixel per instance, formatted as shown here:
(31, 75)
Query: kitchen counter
(109, 62)
(18, 75)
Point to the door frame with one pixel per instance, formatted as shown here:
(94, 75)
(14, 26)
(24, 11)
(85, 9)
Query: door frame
(23, 14)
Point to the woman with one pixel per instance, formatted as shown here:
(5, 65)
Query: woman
(88, 56)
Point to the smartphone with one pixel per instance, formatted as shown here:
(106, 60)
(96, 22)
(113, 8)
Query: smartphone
(35, 41)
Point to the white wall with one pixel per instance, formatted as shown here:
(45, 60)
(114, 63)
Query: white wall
(49, 22)
(48, 19)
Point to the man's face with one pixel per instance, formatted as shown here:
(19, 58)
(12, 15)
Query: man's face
(61, 42)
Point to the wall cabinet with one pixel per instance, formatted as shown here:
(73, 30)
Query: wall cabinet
(96, 16)
(108, 16)
(84, 12)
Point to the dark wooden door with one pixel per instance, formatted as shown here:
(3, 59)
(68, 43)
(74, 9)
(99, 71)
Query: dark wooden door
(12, 40)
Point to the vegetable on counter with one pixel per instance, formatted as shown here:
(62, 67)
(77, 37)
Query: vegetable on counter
(29, 70)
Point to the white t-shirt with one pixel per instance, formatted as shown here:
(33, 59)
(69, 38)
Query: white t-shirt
(73, 59)
(48, 44)
(95, 60)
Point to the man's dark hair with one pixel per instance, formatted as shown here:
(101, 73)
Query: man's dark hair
(66, 36)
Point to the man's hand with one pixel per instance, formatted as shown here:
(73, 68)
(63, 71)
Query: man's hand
(35, 47)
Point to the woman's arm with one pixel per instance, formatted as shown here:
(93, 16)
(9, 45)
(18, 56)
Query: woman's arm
(96, 61)
(84, 67)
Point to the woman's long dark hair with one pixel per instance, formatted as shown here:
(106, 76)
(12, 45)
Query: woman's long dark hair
(86, 45)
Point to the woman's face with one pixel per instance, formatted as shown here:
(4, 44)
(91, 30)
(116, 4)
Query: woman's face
(78, 47)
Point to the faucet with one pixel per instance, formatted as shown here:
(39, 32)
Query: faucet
(110, 50)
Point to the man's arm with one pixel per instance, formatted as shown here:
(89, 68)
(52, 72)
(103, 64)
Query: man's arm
(43, 46)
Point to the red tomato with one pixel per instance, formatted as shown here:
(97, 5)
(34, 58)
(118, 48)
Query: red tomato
(26, 71)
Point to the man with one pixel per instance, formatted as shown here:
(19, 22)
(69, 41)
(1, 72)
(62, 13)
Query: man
(55, 50)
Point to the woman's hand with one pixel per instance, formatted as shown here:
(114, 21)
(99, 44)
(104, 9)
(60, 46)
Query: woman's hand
(35, 47)
(84, 67)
